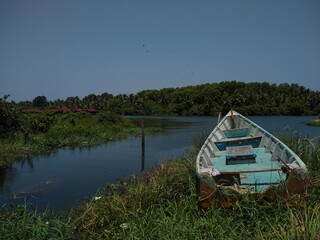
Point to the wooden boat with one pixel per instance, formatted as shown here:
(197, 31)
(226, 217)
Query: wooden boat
(241, 158)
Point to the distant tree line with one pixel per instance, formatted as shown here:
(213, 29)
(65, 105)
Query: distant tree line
(203, 100)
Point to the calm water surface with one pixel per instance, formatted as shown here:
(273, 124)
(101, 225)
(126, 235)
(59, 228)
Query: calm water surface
(70, 176)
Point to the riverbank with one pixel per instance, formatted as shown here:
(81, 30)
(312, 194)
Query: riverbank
(315, 123)
(45, 133)
(162, 204)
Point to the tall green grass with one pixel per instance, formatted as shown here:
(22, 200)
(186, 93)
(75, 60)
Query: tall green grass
(23, 223)
(162, 204)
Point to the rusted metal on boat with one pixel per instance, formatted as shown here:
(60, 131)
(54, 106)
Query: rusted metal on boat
(240, 158)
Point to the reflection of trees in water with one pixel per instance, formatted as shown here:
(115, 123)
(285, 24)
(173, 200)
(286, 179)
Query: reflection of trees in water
(162, 122)
(7, 176)
(81, 148)
(27, 161)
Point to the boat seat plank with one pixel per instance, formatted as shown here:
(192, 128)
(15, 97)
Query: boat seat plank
(236, 132)
(240, 155)
(262, 161)
(237, 139)
(230, 142)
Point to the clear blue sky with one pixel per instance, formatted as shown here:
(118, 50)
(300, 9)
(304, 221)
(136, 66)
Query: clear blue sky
(62, 48)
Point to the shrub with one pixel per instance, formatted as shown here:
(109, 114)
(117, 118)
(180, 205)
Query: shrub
(10, 119)
(41, 122)
(109, 117)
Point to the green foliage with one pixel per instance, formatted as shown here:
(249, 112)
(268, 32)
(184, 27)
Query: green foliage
(40, 101)
(107, 117)
(40, 123)
(72, 102)
(208, 99)
(22, 223)
(205, 99)
(10, 120)
(45, 132)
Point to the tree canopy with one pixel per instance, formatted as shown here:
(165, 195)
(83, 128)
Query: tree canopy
(40, 101)
(205, 99)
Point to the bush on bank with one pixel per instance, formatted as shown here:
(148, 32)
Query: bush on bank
(45, 132)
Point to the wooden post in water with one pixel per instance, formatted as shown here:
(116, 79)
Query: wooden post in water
(142, 145)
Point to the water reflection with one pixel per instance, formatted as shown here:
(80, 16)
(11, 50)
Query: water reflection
(7, 176)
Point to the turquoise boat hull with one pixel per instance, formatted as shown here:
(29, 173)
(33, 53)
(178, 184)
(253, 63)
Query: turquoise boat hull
(240, 158)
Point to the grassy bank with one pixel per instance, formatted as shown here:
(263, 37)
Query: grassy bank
(315, 123)
(42, 133)
(162, 204)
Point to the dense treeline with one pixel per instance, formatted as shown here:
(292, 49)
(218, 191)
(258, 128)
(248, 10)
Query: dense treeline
(206, 99)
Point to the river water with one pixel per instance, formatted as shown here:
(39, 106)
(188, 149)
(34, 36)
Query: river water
(70, 176)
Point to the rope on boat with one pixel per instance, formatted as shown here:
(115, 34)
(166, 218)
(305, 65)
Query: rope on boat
(202, 199)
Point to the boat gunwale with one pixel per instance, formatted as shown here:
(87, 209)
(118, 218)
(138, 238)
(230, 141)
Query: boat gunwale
(262, 130)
